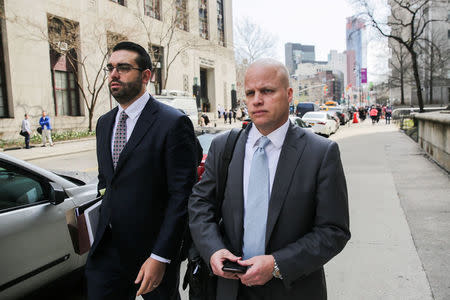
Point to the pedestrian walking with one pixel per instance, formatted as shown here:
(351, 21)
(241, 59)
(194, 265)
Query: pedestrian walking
(234, 115)
(373, 115)
(26, 131)
(225, 116)
(219, 109)
(279, 232)
(388, 115)
(378, 113)
(147, 159)
(44, 121)
(230, 115)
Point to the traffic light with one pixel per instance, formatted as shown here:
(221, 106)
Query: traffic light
(325, 89)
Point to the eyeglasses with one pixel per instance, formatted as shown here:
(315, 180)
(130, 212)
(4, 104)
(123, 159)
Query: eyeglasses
(121, 69)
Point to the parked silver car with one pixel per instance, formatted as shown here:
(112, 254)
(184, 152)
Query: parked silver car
(35, 244)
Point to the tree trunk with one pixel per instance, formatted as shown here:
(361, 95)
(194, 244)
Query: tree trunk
(417, 79)
(431, 89)
(431, 78)
(91, 116)
(402, 89)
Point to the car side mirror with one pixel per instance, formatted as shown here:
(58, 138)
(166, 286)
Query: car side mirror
(57, 193)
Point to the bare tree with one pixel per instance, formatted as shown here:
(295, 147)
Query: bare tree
(252, 42)
(406, 26)
(167, 40)
(63, 38)
(400, 64)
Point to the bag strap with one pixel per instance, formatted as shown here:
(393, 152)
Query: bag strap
(224, 163)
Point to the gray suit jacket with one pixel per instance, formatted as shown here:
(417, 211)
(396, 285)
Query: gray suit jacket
(307, 223)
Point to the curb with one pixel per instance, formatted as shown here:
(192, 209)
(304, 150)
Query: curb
(58, 154)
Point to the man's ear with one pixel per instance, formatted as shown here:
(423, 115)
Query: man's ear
(290, 94)
(146, 76)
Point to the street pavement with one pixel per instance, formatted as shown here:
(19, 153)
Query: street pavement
(399, 219)
(399, 216)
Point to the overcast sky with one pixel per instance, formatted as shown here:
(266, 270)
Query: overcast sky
(311, 22)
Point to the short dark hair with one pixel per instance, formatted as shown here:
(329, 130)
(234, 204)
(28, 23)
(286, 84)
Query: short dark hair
(143, 60)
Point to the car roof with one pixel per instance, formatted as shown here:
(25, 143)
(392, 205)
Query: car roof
(37, 170)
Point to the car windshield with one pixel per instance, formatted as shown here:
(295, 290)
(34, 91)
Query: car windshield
(314, 115)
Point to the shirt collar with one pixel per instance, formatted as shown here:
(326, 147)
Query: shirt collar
(134, 110)
(276, 137)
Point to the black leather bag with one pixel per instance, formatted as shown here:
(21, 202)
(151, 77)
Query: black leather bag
(199, 276)
(39, 130)
(22, 133)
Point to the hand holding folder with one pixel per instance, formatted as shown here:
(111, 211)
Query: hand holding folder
(82, 222)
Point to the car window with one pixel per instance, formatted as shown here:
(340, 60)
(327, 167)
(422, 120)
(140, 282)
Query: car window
(19, 189)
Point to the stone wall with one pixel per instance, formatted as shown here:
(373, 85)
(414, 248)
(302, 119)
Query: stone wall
(434, 136)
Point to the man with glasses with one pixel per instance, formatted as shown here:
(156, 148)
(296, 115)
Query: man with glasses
(147, 167)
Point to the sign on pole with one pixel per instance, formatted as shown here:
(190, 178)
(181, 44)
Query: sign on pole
(363, 75)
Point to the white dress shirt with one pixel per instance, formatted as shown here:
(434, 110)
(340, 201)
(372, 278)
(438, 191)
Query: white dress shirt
(273, 150)
(133, 112)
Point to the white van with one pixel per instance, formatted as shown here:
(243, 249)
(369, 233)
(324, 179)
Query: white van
(186, 103)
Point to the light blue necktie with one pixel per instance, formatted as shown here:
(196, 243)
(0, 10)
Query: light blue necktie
(257, 204)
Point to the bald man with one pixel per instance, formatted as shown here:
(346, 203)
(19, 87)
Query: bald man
(285, 207)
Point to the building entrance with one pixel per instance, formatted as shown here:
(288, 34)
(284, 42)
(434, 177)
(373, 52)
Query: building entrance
(204, 100)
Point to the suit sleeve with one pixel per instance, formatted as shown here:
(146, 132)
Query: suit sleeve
(180, 161)
(330, 231)
(203, 206)
(101, 179)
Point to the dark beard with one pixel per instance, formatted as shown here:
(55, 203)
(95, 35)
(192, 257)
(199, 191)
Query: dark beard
(128, 91)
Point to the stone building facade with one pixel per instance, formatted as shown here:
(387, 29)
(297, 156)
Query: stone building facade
(53, 53)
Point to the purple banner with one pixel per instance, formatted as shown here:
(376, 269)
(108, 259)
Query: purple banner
(363, 75)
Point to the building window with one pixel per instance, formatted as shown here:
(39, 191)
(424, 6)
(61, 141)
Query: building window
(121, 2)
(152, 9)
(220, 23)
(157, 57)
(203, 18)
(181, 20)
(66, 93)
(4, 112)
(113, 38)
(64, 44)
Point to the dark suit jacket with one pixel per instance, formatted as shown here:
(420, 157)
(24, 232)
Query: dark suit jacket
(146, 196)
(307, 222)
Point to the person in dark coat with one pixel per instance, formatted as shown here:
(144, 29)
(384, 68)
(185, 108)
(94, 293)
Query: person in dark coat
(147, 160)
(278, 221)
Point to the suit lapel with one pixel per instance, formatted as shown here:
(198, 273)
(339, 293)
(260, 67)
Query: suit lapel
(143, 124)
(235, 181)
(290, 155)
(110, 120)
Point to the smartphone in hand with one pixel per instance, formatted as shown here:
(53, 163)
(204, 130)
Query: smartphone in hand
(233, 267)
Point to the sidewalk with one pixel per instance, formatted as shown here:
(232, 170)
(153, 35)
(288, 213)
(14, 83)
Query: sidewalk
(399, 219)
(60, 148)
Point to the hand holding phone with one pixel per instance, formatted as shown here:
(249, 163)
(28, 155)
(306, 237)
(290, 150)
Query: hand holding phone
(233, 267)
